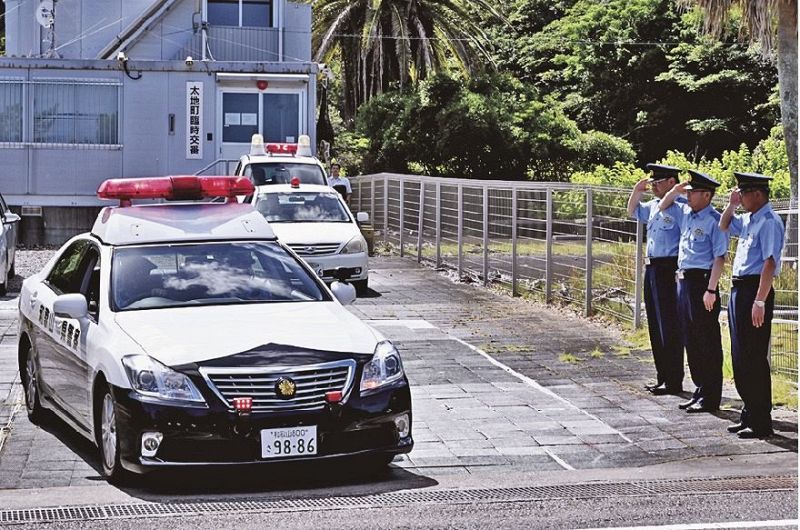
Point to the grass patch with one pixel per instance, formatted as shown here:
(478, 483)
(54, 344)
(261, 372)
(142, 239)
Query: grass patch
(569, 358)
(784, 392)
(596, 354)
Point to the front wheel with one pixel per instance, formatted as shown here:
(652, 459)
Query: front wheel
(108, 438)
(31, 388)
(362, 286)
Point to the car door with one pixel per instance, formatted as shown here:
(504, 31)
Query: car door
(9, 232)
(56, 369)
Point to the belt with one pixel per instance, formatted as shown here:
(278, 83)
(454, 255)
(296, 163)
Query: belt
(746, 280)
(693, 274)
(668, 260)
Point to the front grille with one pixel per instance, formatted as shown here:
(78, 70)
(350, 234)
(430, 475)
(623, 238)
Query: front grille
(312, 381)
(316, 249)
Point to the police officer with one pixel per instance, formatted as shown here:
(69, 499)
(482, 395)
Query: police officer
(757, 262)
(701, 257)
(661, 263)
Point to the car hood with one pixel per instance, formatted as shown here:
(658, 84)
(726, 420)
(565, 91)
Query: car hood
(177, 336)
(313, 233)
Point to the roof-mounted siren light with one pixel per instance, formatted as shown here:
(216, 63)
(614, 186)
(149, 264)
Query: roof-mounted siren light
(175, 188)
(257, 145)
(304, 145)
(295, 182)
(281, 149)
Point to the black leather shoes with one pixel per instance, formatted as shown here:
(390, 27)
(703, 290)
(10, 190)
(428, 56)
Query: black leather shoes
(749, 432)
(651, 388)
(736, 427)
(698, 408)
(666, 390)
(686, 404)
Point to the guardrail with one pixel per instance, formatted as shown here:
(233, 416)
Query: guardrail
(558, 242)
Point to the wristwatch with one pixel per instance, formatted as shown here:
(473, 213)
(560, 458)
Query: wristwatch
(712, 291)
(759, 303)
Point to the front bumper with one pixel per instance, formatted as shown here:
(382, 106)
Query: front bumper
(216, 436)
(355, 265)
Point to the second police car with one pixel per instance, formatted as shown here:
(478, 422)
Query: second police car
(179, 335)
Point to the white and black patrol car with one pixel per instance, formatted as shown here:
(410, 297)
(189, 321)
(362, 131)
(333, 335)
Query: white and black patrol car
(186, 334)
(278, 163)
(317, 224)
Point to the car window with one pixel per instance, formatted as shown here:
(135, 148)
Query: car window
(66, 276)
(91, 280)
(282, 173)
(160, 276)
(302, 207)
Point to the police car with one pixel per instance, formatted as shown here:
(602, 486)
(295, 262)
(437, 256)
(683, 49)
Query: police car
(187, 334)
(317, 224)
(278, 163)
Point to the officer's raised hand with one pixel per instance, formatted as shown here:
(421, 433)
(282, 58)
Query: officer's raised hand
(734, 199)
(642, 185)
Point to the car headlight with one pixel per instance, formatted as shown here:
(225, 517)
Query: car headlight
(384, 368)
(354, 246)
(152, 379)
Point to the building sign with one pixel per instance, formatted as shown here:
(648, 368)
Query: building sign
(194, 120)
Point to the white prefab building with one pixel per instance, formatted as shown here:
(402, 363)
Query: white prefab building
(97, 89)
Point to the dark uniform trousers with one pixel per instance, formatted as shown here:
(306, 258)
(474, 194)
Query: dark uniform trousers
(701, 336)
(661, 306)
(750, 352)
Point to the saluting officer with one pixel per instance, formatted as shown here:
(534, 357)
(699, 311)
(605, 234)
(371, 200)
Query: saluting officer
(701, 257)
(660, 299)
(757, 262)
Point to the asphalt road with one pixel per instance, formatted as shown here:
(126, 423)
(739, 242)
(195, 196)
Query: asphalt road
(507, 434)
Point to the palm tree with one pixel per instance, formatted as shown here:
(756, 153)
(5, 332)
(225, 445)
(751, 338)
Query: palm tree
(383, 42)
(766, 20)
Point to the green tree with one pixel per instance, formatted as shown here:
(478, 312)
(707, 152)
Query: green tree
(383, 43)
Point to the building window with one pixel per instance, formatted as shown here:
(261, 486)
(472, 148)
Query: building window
(10, 112)
(239, 117)
(243, 13)
(281, 117)
(75, 113)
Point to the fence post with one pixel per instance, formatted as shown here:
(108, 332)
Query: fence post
(638, 286)
(486, 235)
(460, 230)
(360, 196)
(372, 217)
(421, 219)
(514, 242)
(385, 209)
(438, 224)
(587, 310)
(402, 213)
(548, 249)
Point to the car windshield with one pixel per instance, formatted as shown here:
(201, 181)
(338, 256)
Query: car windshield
(282, 173)
(302, 207)
(195, 274)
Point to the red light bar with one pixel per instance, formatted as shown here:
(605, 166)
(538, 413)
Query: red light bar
(243, 404)
(281, 149)
(183, 187)
(334, 396)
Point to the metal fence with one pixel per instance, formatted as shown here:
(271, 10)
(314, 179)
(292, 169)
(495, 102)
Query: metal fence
(561, 243)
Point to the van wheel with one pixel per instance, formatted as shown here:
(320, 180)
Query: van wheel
(362, 287)
(30, 383)
(108, 438)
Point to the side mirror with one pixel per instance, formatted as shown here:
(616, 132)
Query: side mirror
(362, 217)
(11, 218)
(344, 292)
(71, 306)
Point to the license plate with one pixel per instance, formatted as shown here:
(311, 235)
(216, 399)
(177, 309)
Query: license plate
(289, 441)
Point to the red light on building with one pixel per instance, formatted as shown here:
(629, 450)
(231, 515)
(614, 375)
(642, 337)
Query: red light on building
(261, 84)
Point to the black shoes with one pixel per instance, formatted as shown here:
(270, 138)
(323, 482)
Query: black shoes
(651, 388)
(749, 432)
(666, 390)
(736, 427)
(699, 407)
(685, 405)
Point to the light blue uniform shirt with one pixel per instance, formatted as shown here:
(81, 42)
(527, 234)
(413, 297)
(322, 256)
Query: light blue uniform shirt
(761, 235)
(702, 240)
(663, 232)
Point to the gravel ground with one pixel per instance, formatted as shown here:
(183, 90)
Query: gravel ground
(26, 263)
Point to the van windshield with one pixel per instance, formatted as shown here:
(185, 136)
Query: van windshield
(282, 173)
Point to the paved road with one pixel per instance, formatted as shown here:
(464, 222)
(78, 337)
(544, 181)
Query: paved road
(495, 407)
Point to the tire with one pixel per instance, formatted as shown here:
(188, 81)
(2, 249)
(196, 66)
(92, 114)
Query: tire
(362, 287)
(12, 272)
(3, 281)
(30, 382)
(108, 438)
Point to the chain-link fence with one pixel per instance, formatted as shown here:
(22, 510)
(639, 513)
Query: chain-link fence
(561, 243)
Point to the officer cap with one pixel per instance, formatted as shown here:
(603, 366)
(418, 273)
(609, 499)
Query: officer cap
(751, 181)
(701, 181)
(661, 172)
